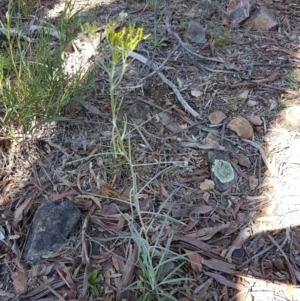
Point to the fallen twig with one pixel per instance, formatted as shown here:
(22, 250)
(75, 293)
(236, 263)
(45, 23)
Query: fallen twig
(143, 60)
(84, 253)
(262, 153)
(256, 84)
(160, 66)
(201, 146)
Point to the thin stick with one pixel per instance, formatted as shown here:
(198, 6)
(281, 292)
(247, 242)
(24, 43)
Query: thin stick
(201, 146)
(143, 137)
(54, 144)
(55, 293)
(161, 65)
(262, 153)
(166, 81)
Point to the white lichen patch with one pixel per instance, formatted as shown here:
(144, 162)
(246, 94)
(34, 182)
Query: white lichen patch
(223, 171)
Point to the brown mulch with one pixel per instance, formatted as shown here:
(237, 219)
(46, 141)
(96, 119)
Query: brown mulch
(247, 239)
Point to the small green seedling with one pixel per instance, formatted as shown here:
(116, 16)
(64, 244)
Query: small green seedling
(161, 42)
(281, 105)
(25, 8)
(183, 24)
(292, 79)
(151, 3)
(89, 28)
(221, 39)
(92, 283)
(270, 114)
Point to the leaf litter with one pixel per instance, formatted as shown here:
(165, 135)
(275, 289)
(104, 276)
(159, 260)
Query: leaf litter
(234, 240)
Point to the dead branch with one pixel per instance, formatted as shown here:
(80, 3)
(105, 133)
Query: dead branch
(161, 65)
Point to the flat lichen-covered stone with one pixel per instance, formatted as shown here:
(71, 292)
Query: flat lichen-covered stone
(221, 171)
(51, 225)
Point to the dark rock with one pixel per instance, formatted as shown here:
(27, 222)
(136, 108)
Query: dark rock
(239, 10)
(222, 173)
(261, 19)
(52, 223)
(238, 253)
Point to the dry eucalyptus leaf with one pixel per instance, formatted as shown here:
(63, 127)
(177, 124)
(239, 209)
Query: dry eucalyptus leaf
(19, 280)
(196, 260)
(252, 103)
(241, 126)
(115, 263)
(216, 117)
(183, 126)
(242, 160)
(164, 118)
(166, 270)
(91, 108)
(286, 24)
(255, 120)
(238, 243)
(273, 75)
(220, 265)
(179, 82)
(209, 232)
(244, 95)
(196, 93)
(203, 291)
(211, 139)
(99, 161)
(174, 127)
(253, 182)
(273, 105)
(222, 280)
(207, 185)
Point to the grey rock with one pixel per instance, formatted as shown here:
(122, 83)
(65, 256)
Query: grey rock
(204, 8)
(240, 10)
(221, 170)
(51, 225)
(196, 33)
